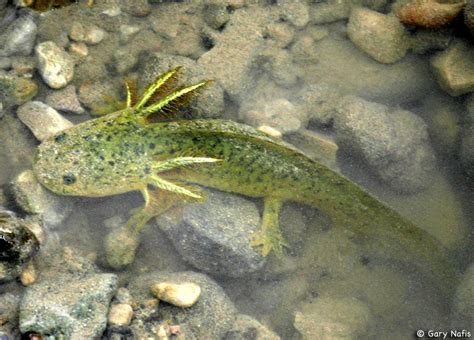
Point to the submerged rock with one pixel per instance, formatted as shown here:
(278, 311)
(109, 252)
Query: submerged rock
(9, 304)
(211, 317)
(380, 36)
(223, 225)
(34, 199)
(70, 306)
(16, 90)
(55, 65)
(464, 301)
(332, 318)
(42, 120)
(182, 295)
(18, 243)
(65, 100)
(393, 142)
(19, 37)
(246, 326)
(454, 68)
(428, 13)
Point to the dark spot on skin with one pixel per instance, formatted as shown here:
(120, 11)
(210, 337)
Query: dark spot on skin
(69, 179)
(59, 138)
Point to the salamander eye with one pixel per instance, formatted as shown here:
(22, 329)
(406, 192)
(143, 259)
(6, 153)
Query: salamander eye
(69, 179)
(59, 138)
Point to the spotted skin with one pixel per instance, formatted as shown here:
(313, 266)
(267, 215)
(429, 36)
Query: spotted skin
(124, 151)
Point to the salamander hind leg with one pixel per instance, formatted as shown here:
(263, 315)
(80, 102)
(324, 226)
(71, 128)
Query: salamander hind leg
(270, 237)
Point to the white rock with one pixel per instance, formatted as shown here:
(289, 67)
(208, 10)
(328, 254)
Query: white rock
(42, 120)
(181, 295)
(55, 65)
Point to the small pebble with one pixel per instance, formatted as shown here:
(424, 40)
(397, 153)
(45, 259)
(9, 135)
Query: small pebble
(270, 131)
(28, 276)
(79, 49)
(24, 66)
(180, 295)
(89, 34)
(128, 31)
(120, 315)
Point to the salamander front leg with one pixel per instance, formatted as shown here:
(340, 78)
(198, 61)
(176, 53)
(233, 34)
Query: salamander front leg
(270, 237)
(121, 244)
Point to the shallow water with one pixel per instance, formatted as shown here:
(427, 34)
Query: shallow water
(276, 65)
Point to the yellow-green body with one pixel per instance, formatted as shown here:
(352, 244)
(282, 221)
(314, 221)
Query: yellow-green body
(126, 151)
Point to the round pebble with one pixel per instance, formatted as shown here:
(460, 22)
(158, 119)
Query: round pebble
(181, 295)
(120, 315)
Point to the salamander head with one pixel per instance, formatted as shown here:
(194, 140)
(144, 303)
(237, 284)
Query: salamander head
(77, 162)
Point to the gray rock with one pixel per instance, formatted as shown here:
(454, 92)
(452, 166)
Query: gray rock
(138, 8)
(425, 40)
(281, 32)
(279, 64)
(127, 32)
(230, 61)
(393, 142)
(332, 318)
(86, 33)
(223, 225)
(454, 68)
(71, 306)
(320, 101)
(279, 114)
(303, 50)
(316, 145)
(34, 199)
(463, 303)
(20, 37)
(467, 150)
(9, 306)
(65, 100)
(208, 104)
(351, 71)
(42, 120)
(16, 90)
(380, 36)
(55, 65)
(245, 325)
(295, 12)
(5, 63)
(469, 15)
(216, 15)
(124, 60)
(211, 317)
(441, 113)
(18, 246)
(327, 12)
